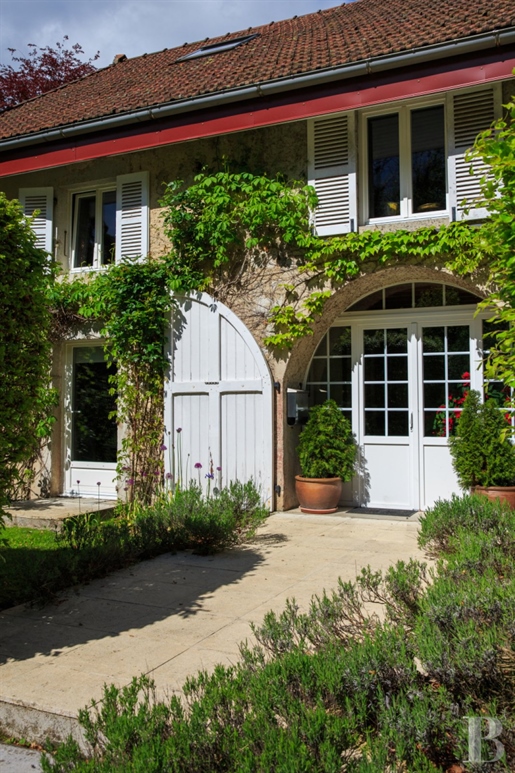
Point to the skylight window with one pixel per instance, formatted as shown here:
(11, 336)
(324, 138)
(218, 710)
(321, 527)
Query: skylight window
(218, 48)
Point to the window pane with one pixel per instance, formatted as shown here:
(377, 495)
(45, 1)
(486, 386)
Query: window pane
(397, 368)
(455, 296)
(428, 159)
(339, 369)
(458, 338)
(373, 341)
(318, 370)
(398, 424)
(383, 166)
(370, 302)
(434, 395)
(339, 340)
(428, 294)
(374, 395)
(397, 340)
(84, 231)
(322, 348)
(374, 423)
(397, 396)
(317, 394)
(342, 394)
(459, 366)
(434, 368)
(433, 339)
(94, 434)
(374, 368)
(399, 297)
(108, 226)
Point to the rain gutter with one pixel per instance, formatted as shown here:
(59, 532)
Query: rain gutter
(414, 57)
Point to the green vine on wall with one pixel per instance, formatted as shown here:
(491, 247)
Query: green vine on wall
(226, 227)
(131, 302)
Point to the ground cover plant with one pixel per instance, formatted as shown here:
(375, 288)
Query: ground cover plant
(341, 687)
(35, 565)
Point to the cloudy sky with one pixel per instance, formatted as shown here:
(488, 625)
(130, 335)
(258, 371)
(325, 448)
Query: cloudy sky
(134, 27)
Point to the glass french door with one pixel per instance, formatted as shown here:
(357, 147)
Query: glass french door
(412, 381)
(387, 428)
(91, 431)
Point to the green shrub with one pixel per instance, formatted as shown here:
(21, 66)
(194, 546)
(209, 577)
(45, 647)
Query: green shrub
(327, 448)
(441, 524)
(481, 452)
(338, 687)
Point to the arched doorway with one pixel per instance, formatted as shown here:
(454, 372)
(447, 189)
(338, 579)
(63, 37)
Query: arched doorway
(398, 363)
(218, 401)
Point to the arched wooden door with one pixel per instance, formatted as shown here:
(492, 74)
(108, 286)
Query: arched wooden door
(218, 400)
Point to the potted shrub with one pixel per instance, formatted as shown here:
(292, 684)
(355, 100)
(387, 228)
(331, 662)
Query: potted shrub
(483, 456)
(327, 456)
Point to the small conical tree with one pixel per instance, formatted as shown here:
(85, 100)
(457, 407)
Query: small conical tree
(327, 448)
(482, 454)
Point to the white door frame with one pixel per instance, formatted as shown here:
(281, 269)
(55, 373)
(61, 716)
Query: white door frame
(88, 473)
(414, 319)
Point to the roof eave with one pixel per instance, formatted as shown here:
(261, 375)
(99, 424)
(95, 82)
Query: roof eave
(416, 56)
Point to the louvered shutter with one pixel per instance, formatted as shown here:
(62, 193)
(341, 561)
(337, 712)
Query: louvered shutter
(472, 113)
(132, 215)
(332, 172)
(40, 200)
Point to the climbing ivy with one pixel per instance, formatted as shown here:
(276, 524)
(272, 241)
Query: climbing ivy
(130, 304)
(225, 225)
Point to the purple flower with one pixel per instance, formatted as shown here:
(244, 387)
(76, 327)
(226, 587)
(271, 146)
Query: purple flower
(162, 447)
(168, 476)
(78, 482)
(219, 469)
(126, 469)
(98, 483)
(179, 429)
(144, 474)
(130, 482)
(210, 475)
(198, 466)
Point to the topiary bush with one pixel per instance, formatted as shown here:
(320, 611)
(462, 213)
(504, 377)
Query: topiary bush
(481, 452)
(327, 448)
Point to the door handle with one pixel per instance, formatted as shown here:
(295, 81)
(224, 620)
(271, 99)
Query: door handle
(411, 422)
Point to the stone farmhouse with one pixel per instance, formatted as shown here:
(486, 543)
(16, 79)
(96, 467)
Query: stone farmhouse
(375, 104)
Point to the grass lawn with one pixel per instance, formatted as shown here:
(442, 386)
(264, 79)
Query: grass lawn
(27, 553)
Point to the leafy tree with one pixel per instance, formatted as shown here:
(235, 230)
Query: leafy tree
(25, 320)
(41, 70)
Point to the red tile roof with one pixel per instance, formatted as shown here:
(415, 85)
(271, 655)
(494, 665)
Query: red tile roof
(327, 39)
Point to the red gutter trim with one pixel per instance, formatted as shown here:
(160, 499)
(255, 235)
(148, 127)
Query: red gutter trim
(267, 112)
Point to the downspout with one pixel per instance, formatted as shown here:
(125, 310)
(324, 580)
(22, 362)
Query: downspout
(414, 57)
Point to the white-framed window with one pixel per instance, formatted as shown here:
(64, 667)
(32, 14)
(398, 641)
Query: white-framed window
(404, 170)
(94, 228)
(109, 221)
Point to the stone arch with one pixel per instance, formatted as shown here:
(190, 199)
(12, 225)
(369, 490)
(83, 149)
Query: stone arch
(302, 352)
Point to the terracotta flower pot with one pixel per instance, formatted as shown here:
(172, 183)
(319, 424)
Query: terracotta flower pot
(504, 493)
(318, 495)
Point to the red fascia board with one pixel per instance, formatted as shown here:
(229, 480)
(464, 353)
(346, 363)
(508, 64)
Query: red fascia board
(267, 111)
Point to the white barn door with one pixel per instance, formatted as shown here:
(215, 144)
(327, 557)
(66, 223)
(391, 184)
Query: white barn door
(219, 396)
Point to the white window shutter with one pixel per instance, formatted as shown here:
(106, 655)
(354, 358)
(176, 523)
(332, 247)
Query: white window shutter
(132, 215)
(40, 200)
(332, 172)
(471, 113)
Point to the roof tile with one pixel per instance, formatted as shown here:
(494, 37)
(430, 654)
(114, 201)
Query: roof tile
(326, 39)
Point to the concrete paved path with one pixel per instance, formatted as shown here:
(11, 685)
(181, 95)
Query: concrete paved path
(173, 615)
(14, 759)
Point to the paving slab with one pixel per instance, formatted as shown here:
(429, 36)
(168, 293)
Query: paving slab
(176, 614)
(50, 513)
